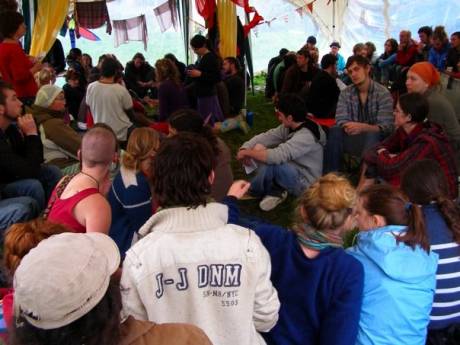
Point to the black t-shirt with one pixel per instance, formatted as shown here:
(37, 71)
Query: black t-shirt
(236, 89)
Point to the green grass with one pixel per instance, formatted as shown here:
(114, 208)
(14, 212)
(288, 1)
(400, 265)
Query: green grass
(264, 119)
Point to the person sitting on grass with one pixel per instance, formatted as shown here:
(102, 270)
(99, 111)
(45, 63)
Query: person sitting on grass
(427, 187)
(312, 255)
(415, 139)
(130, 196)
(171, 93)
(20, 239)
(399, 269)
(289, 157)
(78, 201)
(66, 293)
(189, 120)
(191, 265)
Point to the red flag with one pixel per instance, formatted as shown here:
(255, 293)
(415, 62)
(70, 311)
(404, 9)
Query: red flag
(310, 6)
(206, 9)
(255, 21)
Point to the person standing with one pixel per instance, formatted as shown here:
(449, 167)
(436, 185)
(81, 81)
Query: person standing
(16, 68)
(206, 75)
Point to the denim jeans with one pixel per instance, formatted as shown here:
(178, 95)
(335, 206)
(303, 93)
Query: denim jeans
(39, 189)
(273, 179)
(339, 142)
(17, 210)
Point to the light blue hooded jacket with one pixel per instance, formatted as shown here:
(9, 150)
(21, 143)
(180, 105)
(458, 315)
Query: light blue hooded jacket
(399, 285)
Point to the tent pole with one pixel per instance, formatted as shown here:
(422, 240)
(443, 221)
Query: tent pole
(333, 19)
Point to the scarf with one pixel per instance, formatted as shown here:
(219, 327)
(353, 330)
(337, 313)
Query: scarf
(318, 240)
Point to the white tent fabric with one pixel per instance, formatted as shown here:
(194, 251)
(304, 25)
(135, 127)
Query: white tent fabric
(288, 24)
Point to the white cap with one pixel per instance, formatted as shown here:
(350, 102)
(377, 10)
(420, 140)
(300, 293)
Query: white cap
(46, 95)
(63, 278)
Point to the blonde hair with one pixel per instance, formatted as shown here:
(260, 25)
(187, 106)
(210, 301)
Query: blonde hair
(328, 202)
(141, 142)
(22, 237)
(166, 69)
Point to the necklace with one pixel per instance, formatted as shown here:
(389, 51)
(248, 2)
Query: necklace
(91, 177)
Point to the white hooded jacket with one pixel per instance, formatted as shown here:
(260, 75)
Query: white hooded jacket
(193, 267)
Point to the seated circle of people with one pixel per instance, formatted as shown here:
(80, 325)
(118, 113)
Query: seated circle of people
(60, 141)
(427, 186)
(130, 196)
(190, 265)
(312, 255)
(399, 268)
(78, 201)
(415, 138)
(22, 173)
(190, 121)
(288, 157)
(80, 303)
(363, 116)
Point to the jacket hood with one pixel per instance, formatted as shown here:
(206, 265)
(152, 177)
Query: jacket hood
(42, 115)
(397, 260)
(433, 130)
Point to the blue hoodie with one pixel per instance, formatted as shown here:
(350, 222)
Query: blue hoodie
(399, 284)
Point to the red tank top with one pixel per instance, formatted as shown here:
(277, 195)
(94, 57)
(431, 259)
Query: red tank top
(62, 209)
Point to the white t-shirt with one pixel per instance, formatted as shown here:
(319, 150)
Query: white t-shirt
(108, 103)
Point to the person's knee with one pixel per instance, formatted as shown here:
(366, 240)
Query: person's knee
(259, 147)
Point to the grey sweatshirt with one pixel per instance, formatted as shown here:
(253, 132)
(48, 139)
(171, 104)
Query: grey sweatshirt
(296, 147)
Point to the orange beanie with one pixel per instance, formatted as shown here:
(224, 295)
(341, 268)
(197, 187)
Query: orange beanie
(427, 72)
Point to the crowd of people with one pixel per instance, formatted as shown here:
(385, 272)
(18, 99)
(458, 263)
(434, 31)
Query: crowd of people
(121, 217)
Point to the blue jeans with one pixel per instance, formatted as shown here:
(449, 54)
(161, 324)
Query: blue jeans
(274, 179)
(339, 142)
(17, 210)
(39, 189)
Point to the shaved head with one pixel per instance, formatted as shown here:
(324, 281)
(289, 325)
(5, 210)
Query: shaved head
(98, 146)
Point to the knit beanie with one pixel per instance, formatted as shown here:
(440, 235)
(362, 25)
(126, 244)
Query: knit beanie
(427, 72)
(46, 95)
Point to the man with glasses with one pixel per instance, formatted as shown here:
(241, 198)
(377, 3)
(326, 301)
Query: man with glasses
(288, 158)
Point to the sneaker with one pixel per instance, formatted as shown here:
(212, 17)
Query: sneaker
(269, 202)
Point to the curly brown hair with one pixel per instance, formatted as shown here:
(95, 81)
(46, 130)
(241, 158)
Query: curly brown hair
(167, 70)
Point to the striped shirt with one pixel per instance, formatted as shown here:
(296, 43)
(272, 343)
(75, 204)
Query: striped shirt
(378, 109)
(446, 304)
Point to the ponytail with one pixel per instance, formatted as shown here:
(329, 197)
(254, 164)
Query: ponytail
(451, 214)
(392, 204)
(416, 232)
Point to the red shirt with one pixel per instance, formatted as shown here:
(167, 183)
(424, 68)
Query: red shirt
(62, 209)
(15, 69)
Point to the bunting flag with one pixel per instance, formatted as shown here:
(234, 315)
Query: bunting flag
(166, 15)
(90, 36)
(256, 20)
(300, 12)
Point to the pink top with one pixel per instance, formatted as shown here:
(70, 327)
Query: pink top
(62, 210)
